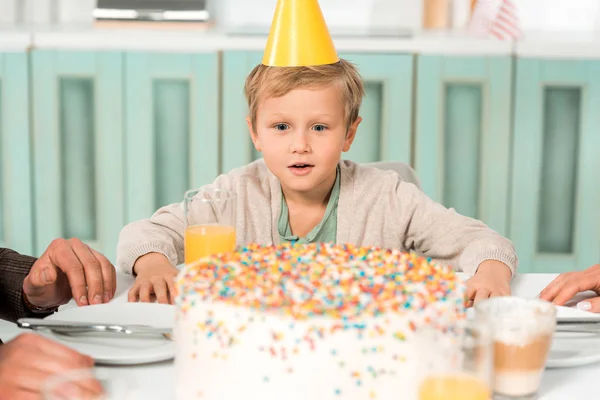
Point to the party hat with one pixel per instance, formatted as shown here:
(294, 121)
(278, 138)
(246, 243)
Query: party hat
(299, 36)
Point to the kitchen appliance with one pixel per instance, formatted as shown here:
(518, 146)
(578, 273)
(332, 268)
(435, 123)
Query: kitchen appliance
(152, 10)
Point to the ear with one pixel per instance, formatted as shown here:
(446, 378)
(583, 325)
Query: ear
(253, 135)
(351, 134)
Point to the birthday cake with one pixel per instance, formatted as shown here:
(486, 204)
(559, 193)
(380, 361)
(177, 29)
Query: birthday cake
(317, 321)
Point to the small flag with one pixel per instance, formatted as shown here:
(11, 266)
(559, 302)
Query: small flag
(498, 18)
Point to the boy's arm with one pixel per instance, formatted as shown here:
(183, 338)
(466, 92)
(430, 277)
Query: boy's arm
(453, 239)
(162, 233)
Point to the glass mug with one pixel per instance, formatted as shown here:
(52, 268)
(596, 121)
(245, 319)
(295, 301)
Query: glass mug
(456, 363)
(209, 223)
(522, 331)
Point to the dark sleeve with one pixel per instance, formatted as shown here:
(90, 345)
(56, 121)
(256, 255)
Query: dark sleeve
(14, 267)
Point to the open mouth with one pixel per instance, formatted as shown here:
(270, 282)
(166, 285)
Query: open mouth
(300, 166)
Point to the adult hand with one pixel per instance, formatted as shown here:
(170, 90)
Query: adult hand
(70, 269)
(29, 360)
(568, 284)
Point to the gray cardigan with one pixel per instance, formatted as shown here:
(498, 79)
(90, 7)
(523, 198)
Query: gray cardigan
(376, 208)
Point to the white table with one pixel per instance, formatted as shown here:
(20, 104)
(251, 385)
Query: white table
(157, 381)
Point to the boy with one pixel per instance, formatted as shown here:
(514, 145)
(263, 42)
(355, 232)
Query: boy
(304, 112)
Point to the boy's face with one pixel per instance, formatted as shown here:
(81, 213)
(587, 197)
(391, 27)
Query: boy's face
(301, 136)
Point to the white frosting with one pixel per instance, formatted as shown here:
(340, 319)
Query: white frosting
(273, 357)
(252, 326)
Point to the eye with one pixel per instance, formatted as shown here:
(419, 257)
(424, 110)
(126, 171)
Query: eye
(319, 128)
(282, 127)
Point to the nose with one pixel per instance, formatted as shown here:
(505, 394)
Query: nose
(300, 142)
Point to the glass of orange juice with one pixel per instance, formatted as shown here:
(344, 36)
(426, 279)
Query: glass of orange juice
(209, 223)
(456, 363)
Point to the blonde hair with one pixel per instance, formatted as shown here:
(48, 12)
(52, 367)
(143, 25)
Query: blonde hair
(264, 82)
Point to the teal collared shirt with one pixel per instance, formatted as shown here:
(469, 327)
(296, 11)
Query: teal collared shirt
(326, 231)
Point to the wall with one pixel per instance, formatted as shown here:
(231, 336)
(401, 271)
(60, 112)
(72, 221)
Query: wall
(122, 123)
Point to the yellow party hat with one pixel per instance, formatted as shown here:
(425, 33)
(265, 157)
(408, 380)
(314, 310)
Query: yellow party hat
(299, 36)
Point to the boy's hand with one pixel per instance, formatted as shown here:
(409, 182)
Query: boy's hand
(155, 278)
(491, 279)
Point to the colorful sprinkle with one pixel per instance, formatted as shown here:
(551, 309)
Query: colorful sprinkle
(305, 281)
(371, 370)
(357, 289)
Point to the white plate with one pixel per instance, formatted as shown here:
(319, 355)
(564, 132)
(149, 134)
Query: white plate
(567, 313)
(111, 349)
(570, 349)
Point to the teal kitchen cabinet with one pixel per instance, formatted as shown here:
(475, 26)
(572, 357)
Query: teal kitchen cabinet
(384, 134)
(237, 149)
(555, 202)
(463, 134)
(171, 127)
(16, 201)
(78, 150)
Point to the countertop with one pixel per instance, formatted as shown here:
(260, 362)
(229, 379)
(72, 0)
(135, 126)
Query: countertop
(200, 38)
